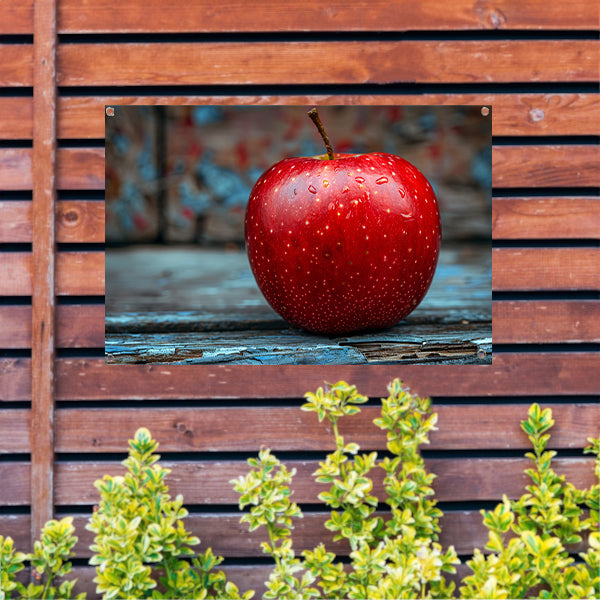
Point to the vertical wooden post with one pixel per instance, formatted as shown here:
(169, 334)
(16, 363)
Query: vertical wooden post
(42, 353)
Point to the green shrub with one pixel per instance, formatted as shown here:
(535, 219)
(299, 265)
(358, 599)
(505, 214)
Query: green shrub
(141, 548)
(400, 557)
(49, 560)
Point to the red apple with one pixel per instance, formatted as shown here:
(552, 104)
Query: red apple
(342, 243)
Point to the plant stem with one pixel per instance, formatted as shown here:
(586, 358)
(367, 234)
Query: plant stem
(314, 115)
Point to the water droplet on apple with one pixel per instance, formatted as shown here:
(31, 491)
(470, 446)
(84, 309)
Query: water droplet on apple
(481, 353)
(346, 189)
(402, 192)
(359, 179)
(312, 189)
(382, 180)
(331, 206)
(325, 183)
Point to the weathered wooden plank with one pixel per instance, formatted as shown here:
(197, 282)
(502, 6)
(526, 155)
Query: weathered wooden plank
(513, 166)
(546, 218)
(546, 166)
(490, 427)
(225, 63)
(16, 16)
(77, 326)
(545, 269)
(215, 290)
(555, 373)
(546, 321)
(77, 274)
(378, 15)
(229, 538)
(76, 221)
(16, 67)
(16, 483)
(459, 343)
(80, 221)
(513, 114)
(17, 117)
(552, 321)
(43, 262)
(201, 16)
(15, 224)
(207, 482)
(15, 379)
(15, 167)
(15, 432)
(528, 374)
(80, 169)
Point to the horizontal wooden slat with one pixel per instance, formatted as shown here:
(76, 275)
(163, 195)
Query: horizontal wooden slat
(76, 221)
(459, 479)
(545, 269)
(77, 274)
(545, 218)
(544, 322)
(16, 16)
(229, 538)
(82, 273)
(512, 218)
(77, 168)
(513, 114)
(290, 429)
(212, 63)
(77, 326)
(16, 66)
(513, 166)
(208, 482)
(546, 166)
(17, 118)
(529, 374)
(15, 169)
(374, 15)
(534, 322)
(15, 433)
(15, 221)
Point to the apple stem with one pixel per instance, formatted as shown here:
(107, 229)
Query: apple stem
(314, 115)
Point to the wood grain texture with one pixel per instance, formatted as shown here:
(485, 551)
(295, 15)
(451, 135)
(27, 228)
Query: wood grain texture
(77, 326)
(17, 118)
(377, 15)
(296, 15)
(546, 218)
(16, 66)
(513, 114)
(15, 224)
(80, 221)
(545, 269)
(75, 220)
(553, 165)
(512, 166)
(43, 263)
(77, 274)
(290, 429)
(223, 532)
(555, 373)
(208, 482)
(527, 321)
(271, 63)
(15, 433)
(546, 321)
(530, 374)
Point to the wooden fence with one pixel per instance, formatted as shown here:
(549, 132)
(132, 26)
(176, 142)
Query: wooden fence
(65, 416)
